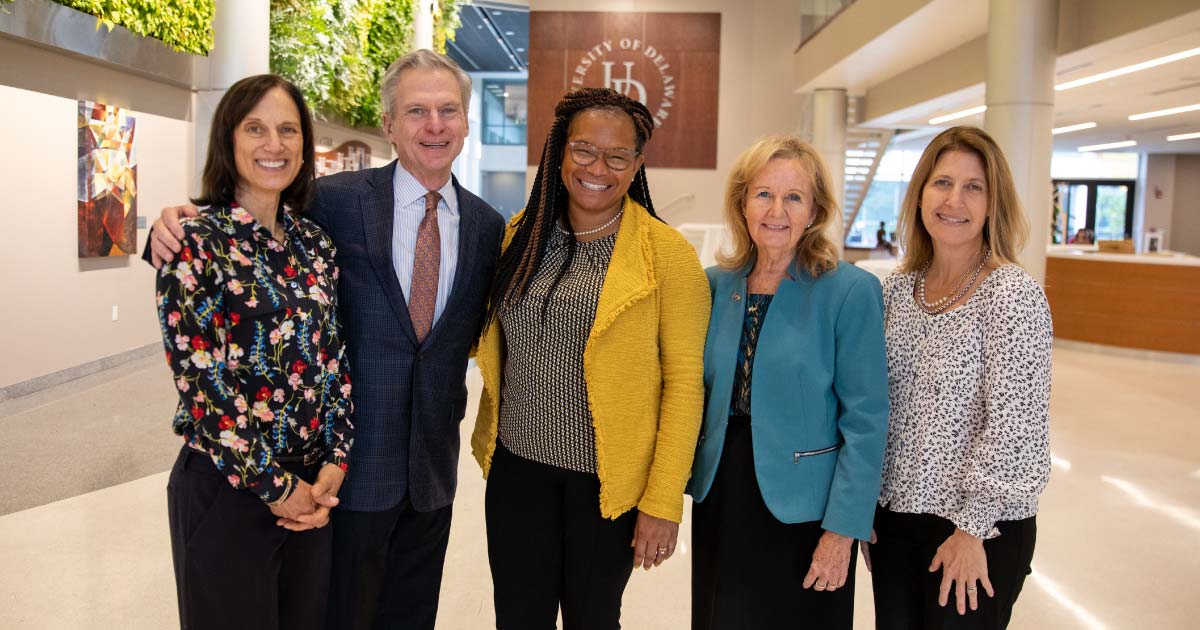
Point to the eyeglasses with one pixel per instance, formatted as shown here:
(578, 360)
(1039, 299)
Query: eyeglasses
(586, 154)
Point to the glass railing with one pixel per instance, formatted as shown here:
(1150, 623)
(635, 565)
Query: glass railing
(815, 14)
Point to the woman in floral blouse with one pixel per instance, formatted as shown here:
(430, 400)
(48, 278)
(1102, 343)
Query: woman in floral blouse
(248, 315)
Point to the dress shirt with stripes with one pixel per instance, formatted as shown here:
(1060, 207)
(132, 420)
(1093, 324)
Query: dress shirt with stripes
(410, 209)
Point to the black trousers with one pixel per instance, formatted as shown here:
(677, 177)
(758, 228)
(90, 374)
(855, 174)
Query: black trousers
(748, 568)
(548, 545)
(234, 567)
(387, 568)
(906, 592)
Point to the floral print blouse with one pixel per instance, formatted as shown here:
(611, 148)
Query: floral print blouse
(251, 332)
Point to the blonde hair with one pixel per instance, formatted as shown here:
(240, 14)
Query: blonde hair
(1006, 228)
(815, 252)
(422, 59)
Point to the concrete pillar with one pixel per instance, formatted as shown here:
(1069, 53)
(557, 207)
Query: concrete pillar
(829, 138)
(1022, 50)
(241, 48)
(423, 26)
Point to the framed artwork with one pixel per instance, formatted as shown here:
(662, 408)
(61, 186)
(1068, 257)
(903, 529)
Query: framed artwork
(107, 199)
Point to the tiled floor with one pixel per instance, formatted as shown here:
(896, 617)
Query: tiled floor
(83, 536)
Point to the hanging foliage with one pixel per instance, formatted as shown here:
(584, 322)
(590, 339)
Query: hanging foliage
(185, 25)
(336, 51)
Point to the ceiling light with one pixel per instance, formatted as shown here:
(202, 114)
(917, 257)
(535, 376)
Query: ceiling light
(509, 33)
(1070, 128)
(1127, 69)
(1110, 145)
(956, 115)
(520, 50)
(1166, 112)
(1184, 136)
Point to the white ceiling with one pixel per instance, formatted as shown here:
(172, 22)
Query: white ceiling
(1107, 103)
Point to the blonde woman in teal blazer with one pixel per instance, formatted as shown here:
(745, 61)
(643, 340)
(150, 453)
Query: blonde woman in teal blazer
(787, 469)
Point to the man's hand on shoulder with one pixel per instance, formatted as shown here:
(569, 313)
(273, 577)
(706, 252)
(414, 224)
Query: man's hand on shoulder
(166, 234)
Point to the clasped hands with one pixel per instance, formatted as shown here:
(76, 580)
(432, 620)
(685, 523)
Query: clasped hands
(307, 507)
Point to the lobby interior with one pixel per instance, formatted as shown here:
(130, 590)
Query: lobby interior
(85, 398)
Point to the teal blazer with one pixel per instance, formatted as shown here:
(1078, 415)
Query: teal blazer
(819, 398)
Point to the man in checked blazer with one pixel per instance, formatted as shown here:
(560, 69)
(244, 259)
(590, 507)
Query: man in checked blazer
(392, 522)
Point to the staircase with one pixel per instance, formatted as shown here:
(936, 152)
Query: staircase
(864, 150)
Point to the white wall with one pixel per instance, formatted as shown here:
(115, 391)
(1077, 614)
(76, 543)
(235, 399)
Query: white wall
(1185, 218)
(758, 38)
(58, 308)
(1155, 197)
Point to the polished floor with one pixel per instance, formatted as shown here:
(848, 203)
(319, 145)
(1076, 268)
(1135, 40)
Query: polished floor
(83, 534)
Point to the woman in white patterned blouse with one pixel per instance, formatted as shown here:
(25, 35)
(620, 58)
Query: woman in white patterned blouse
(968, 342)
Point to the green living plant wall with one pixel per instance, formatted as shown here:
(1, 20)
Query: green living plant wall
(185, 25)
(336, 51)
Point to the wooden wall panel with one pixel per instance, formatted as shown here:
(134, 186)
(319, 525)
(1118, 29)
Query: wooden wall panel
(681, 80)
(1131, 305)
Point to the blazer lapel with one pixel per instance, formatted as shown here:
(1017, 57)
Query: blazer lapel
(378, 212)
(468, 241)
(630, 275)
(729, 308)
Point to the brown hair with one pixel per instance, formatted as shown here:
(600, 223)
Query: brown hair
(815, 251)
(219, 183)
(548, 199)
(1005, 230)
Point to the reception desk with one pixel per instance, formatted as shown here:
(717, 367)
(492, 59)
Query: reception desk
(1149, 302)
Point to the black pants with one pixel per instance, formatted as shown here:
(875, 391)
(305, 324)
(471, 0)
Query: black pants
(387, 568)
(548, 544)
(747, 567)
(906, 592)
(234, 567)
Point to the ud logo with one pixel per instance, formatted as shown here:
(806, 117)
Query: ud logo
(623, 85)
(658, 96)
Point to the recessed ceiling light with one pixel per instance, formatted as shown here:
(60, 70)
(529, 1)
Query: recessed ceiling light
(1110, 145)
(509, 33)
(520, 50)
(1184, 136)
(1070, 128)
(1166, 112)
(478, 26)
(1127, 69)
(956, 115)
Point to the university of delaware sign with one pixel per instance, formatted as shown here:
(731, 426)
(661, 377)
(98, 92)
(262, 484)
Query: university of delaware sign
(628, 85)
(670, 62)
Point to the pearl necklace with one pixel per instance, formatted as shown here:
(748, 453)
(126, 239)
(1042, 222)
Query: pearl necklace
(944, 303)
(611, 221)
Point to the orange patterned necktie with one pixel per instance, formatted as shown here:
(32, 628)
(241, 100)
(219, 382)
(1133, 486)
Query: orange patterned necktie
(427, 261)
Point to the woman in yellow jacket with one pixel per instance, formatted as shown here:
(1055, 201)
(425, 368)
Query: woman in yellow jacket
(592, 363)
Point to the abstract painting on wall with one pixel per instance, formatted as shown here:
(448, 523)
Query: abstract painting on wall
(107, 201)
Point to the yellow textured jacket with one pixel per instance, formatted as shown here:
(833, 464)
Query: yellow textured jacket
(644, 367)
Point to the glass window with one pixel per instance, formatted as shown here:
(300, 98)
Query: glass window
(1094, 210)
(504, 111)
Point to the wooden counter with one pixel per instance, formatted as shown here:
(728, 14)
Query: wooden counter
(1145, 302)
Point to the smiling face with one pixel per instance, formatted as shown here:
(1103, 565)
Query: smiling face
(267, 146)
(595, 191)
(778, 206)
(427, 124)
(954, 201)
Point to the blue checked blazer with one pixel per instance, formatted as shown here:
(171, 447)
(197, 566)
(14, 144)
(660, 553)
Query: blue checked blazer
(408, 398)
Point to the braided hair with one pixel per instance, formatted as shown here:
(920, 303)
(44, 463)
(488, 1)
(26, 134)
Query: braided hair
(548, 200)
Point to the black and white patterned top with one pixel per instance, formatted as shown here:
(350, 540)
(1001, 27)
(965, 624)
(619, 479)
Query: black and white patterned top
(544, 413)
(968, 435)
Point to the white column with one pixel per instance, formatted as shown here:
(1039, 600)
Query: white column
(1022, 39)
(423, 26)
(241, 48)
(829, 138)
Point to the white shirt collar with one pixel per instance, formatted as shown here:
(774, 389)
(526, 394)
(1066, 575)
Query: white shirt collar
(409, 190)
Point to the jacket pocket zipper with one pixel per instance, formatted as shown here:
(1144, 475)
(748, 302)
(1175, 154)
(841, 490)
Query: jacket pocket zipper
(821, 451)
